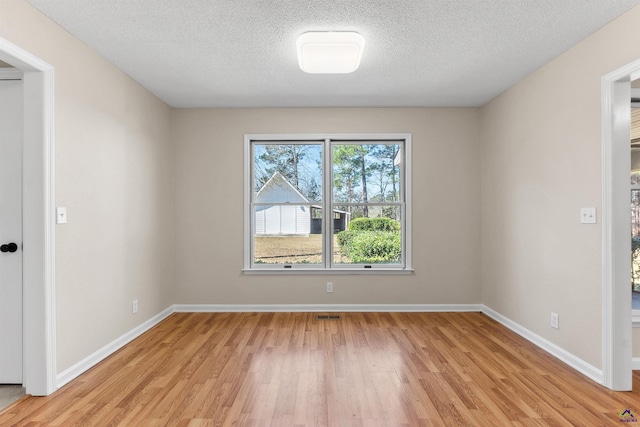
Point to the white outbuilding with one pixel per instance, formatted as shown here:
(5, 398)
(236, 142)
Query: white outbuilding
(292, 214)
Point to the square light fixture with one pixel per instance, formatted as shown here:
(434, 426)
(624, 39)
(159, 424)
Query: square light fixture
(330, 52)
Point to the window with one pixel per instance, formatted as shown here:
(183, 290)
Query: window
(362, 180)
(635, 242)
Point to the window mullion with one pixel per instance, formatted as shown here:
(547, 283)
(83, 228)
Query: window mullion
(327, 203)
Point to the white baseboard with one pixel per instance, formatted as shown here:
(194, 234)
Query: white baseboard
(381, 308)
(575, 362)
(93, 359)
(635, 364)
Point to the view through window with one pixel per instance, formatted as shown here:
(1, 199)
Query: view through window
(295, 181)
(635, 240)
(635, 200)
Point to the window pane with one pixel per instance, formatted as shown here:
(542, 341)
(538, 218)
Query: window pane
(366, 173)
(287, 234)
(635, 248)
(287, 173)
(376, 239)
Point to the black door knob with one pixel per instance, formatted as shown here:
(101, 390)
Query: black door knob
(9, 247)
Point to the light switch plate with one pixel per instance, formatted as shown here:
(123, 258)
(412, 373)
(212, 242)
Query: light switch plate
(587, 215)
(61, 215)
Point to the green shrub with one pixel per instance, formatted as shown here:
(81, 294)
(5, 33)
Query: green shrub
(369, 247)
(374, 224)
(345, 237)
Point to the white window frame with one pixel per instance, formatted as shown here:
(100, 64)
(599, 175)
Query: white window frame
(404, 267)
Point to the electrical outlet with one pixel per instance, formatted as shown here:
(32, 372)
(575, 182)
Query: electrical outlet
(329, 287)
(555, 320)
(135, 306)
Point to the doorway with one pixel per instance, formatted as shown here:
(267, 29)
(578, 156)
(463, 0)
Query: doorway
(11, 125)
(617, 361)
(39, 364)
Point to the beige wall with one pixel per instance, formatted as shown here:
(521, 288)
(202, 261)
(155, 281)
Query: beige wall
(541, 163)
(209, 197)
(117, 145)
(114, 174)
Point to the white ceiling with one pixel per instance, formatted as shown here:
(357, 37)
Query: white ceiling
(242, 53)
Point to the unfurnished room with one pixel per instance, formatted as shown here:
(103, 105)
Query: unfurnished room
(319, 213)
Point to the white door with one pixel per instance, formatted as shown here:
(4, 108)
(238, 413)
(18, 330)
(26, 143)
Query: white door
(272, 220)
(11, 118)
(288, 220)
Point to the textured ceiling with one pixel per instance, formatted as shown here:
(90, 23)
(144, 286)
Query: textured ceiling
(232, 53)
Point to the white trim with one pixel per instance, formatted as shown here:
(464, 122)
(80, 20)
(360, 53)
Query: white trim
(247, 214)
(38, 219)
(573, 361)
(302, 269)
(636, 363)
(327, 220)
(10, 74)
(327, 140)
(308, 308)
(93, 359)
(616, 274)
(408, 202)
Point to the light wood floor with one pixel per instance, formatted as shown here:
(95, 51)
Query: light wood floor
(290, 369)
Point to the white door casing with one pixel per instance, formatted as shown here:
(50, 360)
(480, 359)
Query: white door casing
(38, 219)
(11, 125)
(616, 227)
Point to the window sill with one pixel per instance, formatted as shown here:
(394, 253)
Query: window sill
(318, 271)
(635, 319)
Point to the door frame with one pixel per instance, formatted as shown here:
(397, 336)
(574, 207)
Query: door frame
(617, 366)
(38, 195)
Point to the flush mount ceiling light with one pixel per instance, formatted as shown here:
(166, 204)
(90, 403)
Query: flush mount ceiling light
(331, 52)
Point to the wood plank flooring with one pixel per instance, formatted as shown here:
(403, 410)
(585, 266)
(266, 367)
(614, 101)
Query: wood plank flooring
(291, 369)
